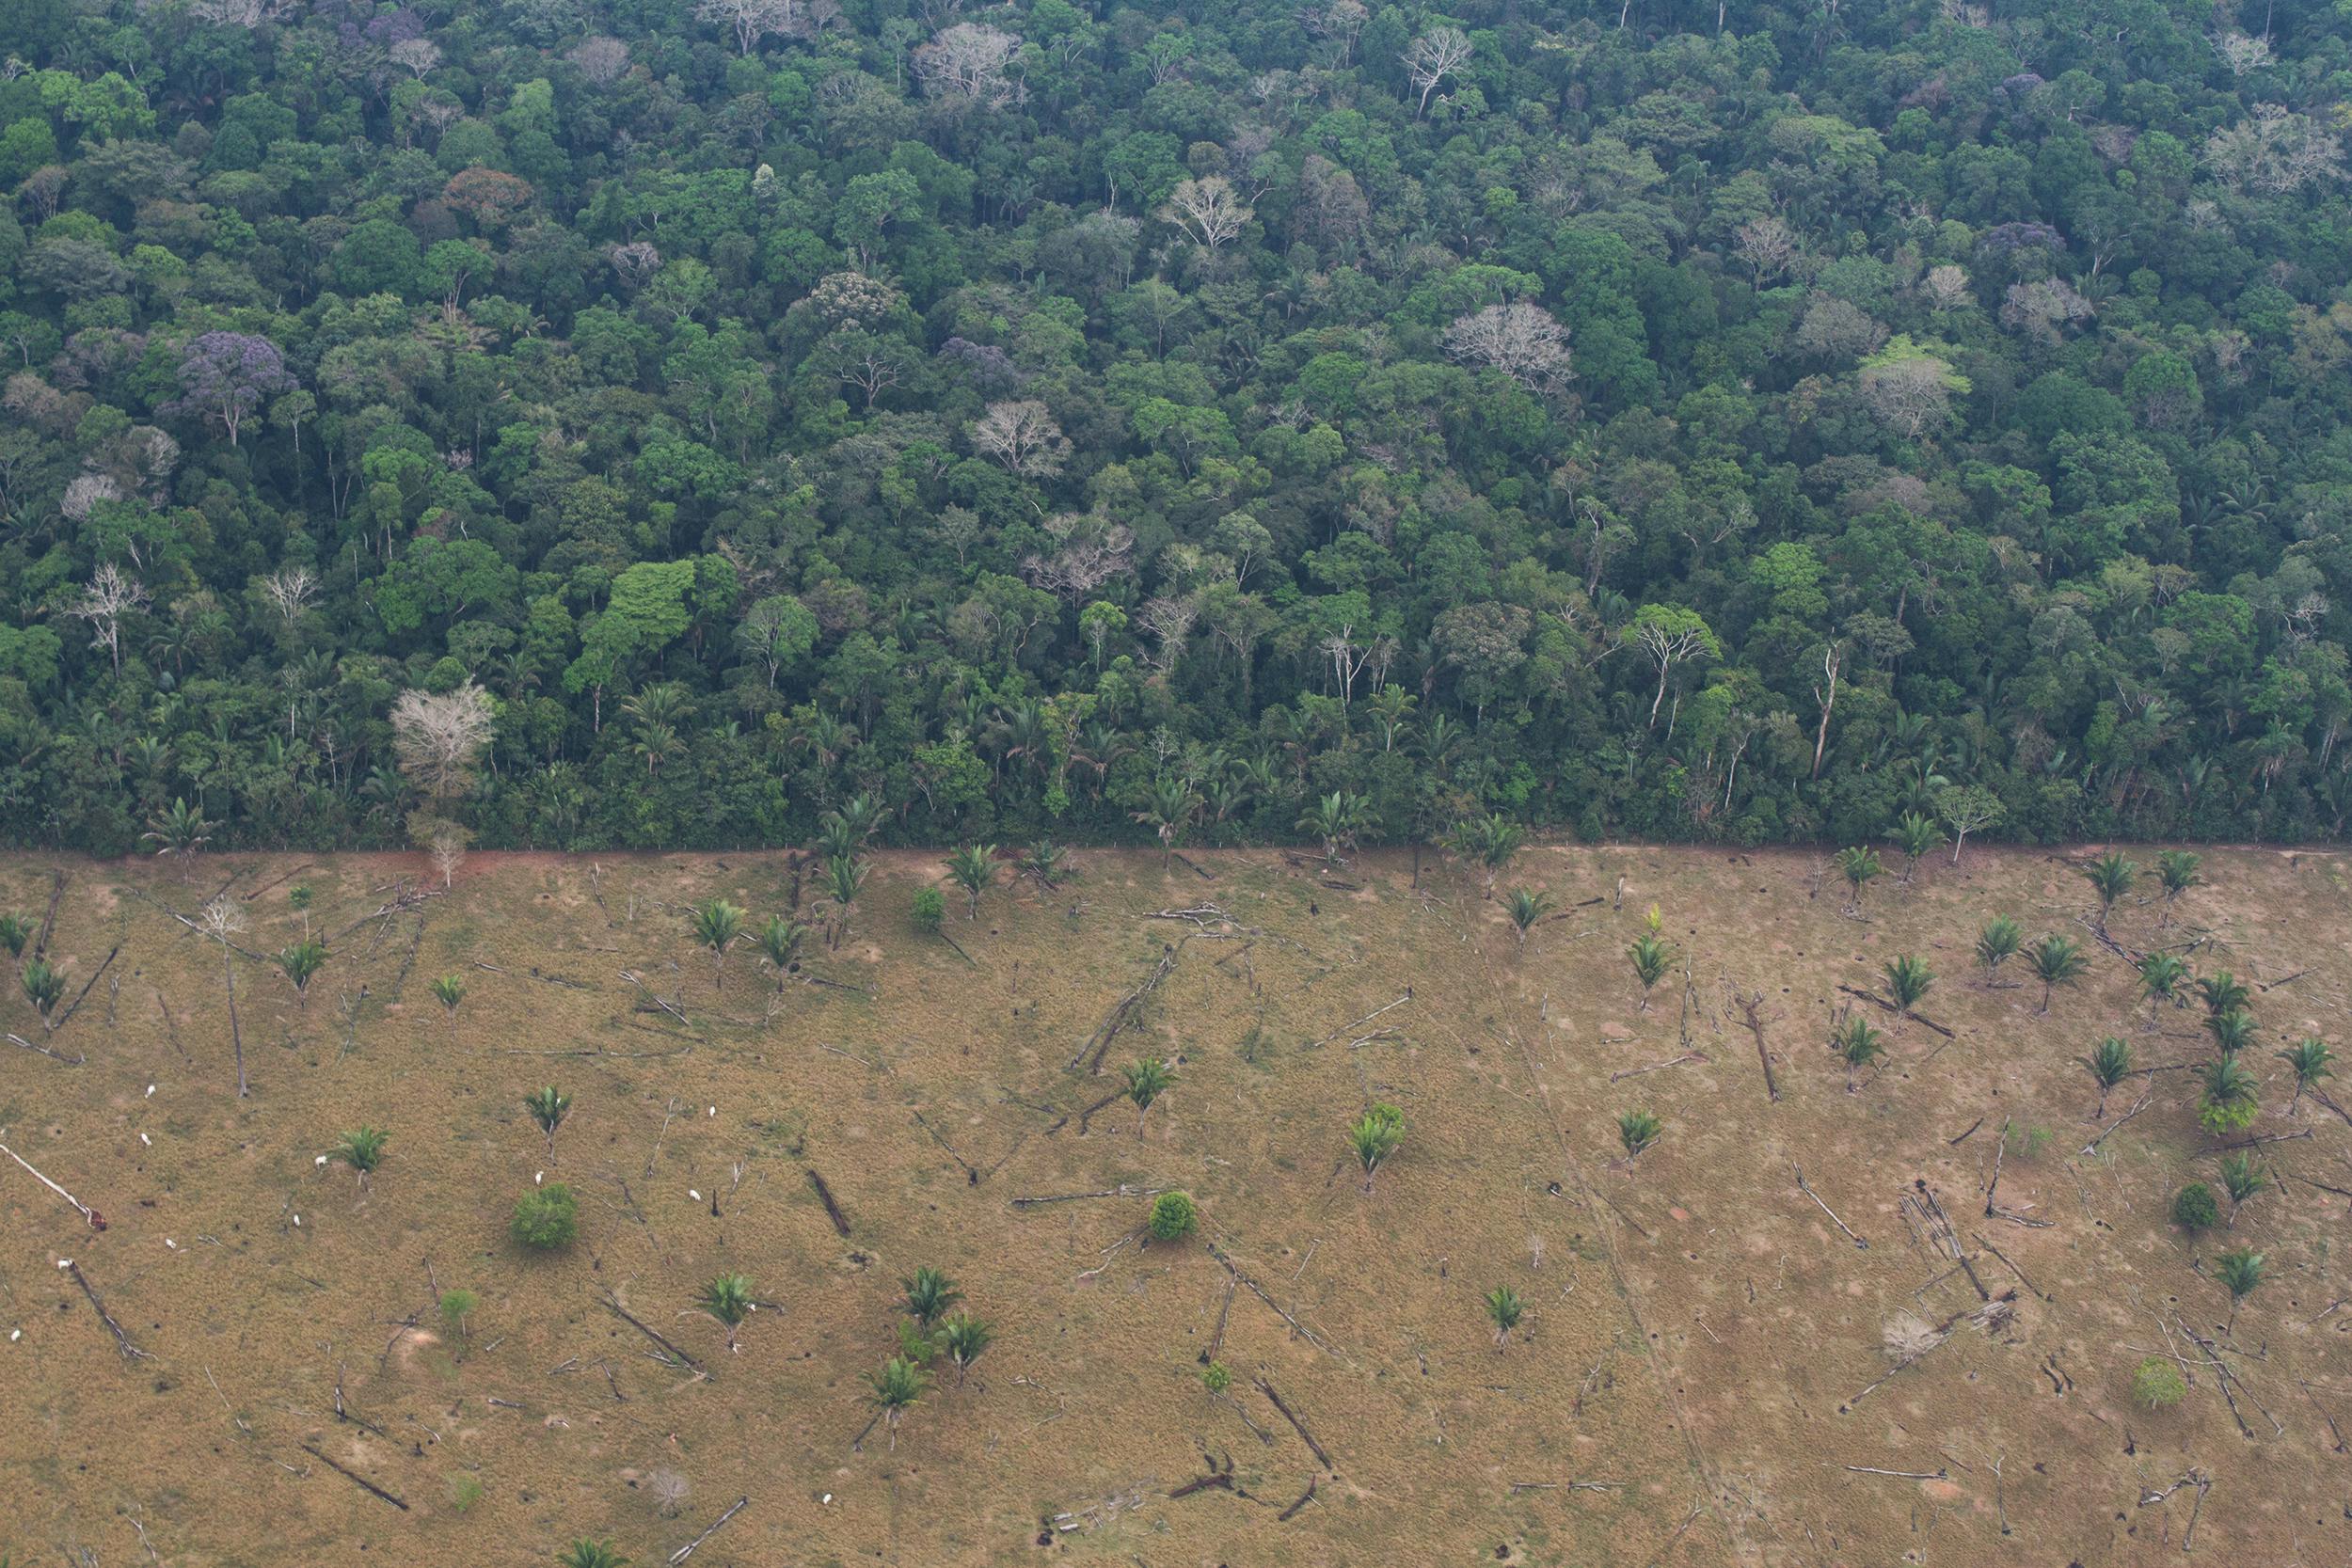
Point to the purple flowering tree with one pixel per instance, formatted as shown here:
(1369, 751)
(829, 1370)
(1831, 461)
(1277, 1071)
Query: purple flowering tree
(225, 375)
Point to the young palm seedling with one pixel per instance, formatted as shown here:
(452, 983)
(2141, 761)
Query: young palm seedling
(2239, 1270)
(1916, 836)
(1651, 960)
(845, 879)
(14, 934)
(591, 1554)
(2111, 1062)
(2110, 877)
(1638, 1131)
(2242, 1177)
(2177, 869)
(1997, 943)
(2311, 1061)
(780, 945)
(2224, 994)
(929, 1294)
(717, 925)
(963, 1336)
(549, 1107)
(1860, 866)
(2161, 977)
(2232, 1032)
(44, 987)
(1147, 1080)
(302, 962)
(448, 991)
(896, 1389)
(1506, 1310)
(973, 867)
(363, 1150)
(727, 1299)
(1908, 979)
(2228, 1099)
(1373, 1136)
(2056, 961)
(1491, 841)
(1047, 860)
(1857, 1045)
(1526, 910)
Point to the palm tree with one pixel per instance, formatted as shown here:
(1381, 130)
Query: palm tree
(2239, 1270)
(1505, 1308)
(1373, 1136)
(1334, 818)
(591, 1554)
(2224, 992)
(549, 1107)
(2231, 1031)
(973, 867)
(181, 831)
(1908, 978)
(1492, 841)
(2161, 975)
(2228, 1097)
(2178, 870)
(2111, 1062)
(1914, 834)
(1860, 866)
(1857, 1044)
(302, 961)
(717, 924)
(728, 1299)
(2056, 961)
(1651, 960)
(448, 991)
(2111, 876)
(1997, 943)
(845, 879)
(963, 1336)
(780, 944)
(896, 1389)
(1048, 861)
(2242, 1177)
(2310, 1057)
(929, 1294)
(1637, 1130)
(44, 987)
(1525, 908)
(1168, 811)
(363, 1150)
(1147, 1081)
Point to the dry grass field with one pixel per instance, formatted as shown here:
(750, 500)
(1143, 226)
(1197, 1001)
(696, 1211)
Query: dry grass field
(1687, 1386)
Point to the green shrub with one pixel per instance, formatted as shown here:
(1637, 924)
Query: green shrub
(546, 1219)
(2158, 1383)
(2194, 1209)
(930, 909)
(1215, 1378)
(1172, 1217)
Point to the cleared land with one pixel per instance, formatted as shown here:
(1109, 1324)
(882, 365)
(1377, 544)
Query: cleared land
(1687, 1387)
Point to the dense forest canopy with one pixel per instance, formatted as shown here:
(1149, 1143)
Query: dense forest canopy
(634, 423)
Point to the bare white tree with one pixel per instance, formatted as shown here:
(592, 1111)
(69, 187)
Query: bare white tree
(602, 60)
(415, 56)
(1910, 393)
(290, 591)
(2044, 308)
(222, 920)
(752, 19)
(2240, 53)
(1209, 209)
(970, 60)
(1945, 286)
(635, 261)
(446, 846)
(438, 737)
(1093, 551)
(111, 594)
(85, 491)
(2273, 151)
(1022, 436)
(1523, 342)
(1432, 58)
(1341, 23)
(669, 1490)
(1169, 622)
(1769, 246)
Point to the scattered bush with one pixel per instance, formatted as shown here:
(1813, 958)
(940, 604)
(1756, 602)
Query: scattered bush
(546, 1219)
(930, 909)
(1173, 1217)
(1215, 1379)
(2194, 1208)
(2157, 1383)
